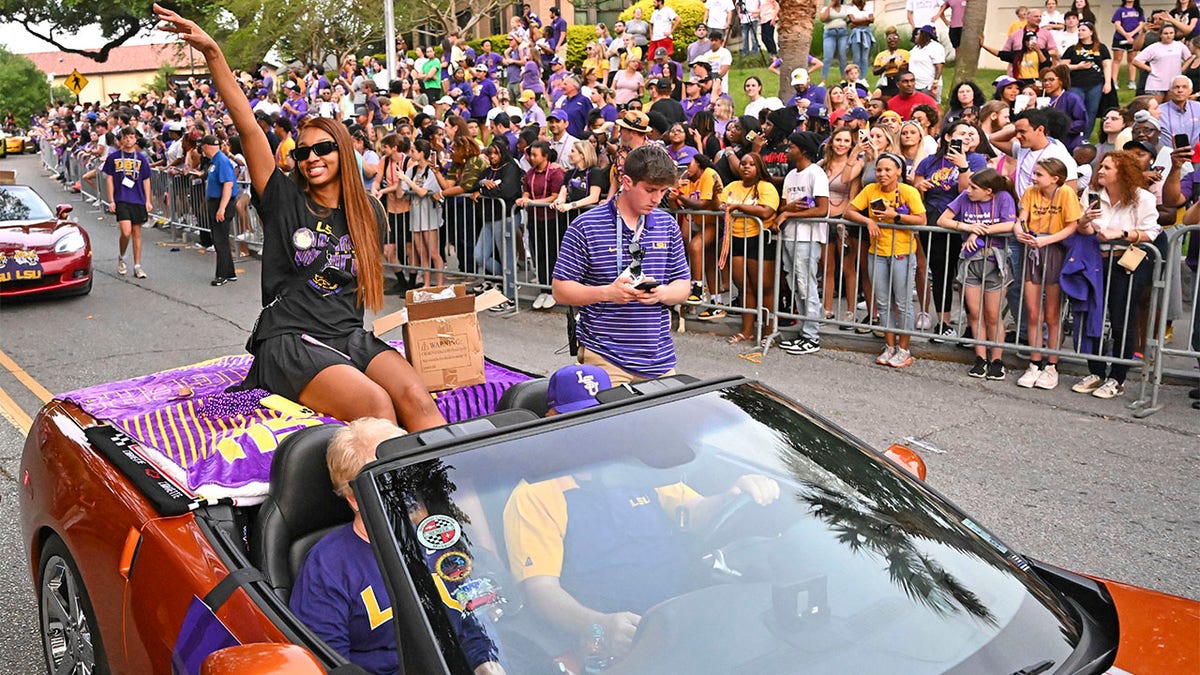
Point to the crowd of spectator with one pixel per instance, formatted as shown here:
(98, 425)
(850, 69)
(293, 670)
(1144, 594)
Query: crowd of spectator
(1002, 179)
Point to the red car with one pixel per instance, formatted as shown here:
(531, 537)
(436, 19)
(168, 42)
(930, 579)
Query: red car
(855, 566)
(42, 251)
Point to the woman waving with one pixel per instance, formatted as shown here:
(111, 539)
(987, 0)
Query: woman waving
(322, 264)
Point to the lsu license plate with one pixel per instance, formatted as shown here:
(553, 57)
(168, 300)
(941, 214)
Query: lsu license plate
(19, 265)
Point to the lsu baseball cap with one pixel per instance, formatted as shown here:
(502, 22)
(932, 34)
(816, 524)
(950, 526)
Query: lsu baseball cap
(575, 387)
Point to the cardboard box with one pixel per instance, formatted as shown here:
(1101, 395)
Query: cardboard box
(442, 339)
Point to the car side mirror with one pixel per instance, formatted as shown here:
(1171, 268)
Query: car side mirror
(62, 210)
(907, 458)
(261, 658)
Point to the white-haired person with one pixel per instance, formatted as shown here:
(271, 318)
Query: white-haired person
(339, 591)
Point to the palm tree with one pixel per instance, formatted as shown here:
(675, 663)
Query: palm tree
(967, 56)
(794, 32)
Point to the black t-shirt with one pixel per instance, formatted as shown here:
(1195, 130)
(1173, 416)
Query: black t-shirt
(309, 274)
(1186, 15)
(579, 183)
(671, 109)
(1093, 75)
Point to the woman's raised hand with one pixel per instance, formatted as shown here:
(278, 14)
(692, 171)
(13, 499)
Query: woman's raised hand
(187, 31)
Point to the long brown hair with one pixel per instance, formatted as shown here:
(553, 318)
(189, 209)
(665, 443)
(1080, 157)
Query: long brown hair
(361, 217)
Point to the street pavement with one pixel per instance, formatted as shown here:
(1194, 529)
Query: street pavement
(1068, 479)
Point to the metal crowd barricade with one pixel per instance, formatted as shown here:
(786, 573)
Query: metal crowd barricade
(539, 235)
(839, 230)
(457, 240)
(1152, 378)
(49, 155)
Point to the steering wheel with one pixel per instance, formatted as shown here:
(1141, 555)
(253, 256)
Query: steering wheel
(708, 536)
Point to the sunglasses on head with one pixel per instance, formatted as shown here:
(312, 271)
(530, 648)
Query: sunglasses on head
(301, 153)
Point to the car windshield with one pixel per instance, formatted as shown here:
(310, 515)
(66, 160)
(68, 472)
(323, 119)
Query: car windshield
(18, 202)
(726, 532)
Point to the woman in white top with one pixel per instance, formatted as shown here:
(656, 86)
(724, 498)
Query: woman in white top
(1164, 61)
(753, 88)
(1125, 215)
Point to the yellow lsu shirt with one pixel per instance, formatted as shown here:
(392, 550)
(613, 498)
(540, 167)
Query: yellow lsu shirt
(892, 242)
(535, 523)
(762, 193)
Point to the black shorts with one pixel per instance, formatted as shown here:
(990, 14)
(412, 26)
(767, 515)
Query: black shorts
(747, 247)
(285, 364)
(1120, 44)
(955, 37)
(134, 213)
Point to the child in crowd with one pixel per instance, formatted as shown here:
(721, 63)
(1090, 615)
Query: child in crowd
(1049, 214)
(987, 208)
(893, 251)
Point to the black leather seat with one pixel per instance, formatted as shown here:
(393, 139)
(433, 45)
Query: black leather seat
(300, 508)
(528, 395)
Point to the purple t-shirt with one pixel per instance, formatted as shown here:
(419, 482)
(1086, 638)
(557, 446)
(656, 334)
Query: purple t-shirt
(1129, 17)
(340, 595)
(1001, 209)
(531, 77)
(481, 102)
(128, 170)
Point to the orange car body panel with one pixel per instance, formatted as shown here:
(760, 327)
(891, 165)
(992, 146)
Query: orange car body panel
(1160, 633)
(262, 659)
(86, 506)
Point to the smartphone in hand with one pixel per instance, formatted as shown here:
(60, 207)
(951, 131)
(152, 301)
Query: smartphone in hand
(1182, 141)
(648, 285)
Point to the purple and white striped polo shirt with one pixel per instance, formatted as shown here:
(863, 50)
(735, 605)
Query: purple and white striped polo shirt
(633, 336)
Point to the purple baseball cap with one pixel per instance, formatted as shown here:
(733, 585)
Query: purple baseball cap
(575, 387)
(559, 115)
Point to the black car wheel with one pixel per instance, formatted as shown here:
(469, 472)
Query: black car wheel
(70, 634)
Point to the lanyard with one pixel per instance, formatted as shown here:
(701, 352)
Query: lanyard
(620, 222)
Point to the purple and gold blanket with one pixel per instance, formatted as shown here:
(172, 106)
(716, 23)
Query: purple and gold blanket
(220, 444)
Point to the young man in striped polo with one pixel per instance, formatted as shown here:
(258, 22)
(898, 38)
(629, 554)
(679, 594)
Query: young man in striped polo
(623, 265)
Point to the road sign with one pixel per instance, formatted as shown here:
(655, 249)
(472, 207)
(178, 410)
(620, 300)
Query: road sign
(76, 82)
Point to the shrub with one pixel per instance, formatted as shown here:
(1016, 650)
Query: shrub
(499, 43)
(577, 39)
(691, 14)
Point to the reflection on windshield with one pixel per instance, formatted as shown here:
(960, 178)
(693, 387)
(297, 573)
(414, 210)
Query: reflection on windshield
(728, 532)
(21, 203)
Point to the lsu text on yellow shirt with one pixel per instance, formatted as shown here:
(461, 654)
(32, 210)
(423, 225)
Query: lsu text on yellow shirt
(1049, 215)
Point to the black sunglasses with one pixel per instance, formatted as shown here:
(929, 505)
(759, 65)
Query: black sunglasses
(636, 253)
(322, 148)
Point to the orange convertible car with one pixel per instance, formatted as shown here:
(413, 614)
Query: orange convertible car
(165, 522)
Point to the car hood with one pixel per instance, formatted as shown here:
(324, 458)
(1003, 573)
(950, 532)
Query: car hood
(1158, 631)
(32, 233)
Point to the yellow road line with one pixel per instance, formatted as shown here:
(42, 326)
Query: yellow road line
(25, 378)
(13, 413)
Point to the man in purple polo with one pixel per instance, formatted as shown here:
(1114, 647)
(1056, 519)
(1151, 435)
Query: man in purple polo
(623, 265)
(577, 106)
(295, 107)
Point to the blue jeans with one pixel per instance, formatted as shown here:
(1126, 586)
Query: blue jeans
(1091, 101)
(750, 37)
(894, 280)
(1016, 290)
(801, 262)
(490, 237)
(836, 42)
(861, 42)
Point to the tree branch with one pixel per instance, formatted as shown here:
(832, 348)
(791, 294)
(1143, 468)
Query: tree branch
(97, 56)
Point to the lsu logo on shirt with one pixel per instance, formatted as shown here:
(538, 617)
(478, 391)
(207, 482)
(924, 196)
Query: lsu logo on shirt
(376, 616)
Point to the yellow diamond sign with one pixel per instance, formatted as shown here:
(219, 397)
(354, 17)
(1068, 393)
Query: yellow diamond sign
(76, 82)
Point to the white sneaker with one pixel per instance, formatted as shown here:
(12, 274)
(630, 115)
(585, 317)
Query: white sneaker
(1087, 385)
(1110, 389)
(1048, 379)
(902, 358)
(1030, 377)
(138, 272)
(549, 301)
(539, 301)
(924, 322)
(885, 356)
(122, 268)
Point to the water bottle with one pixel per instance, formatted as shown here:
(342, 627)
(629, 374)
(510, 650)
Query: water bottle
(595, 659)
